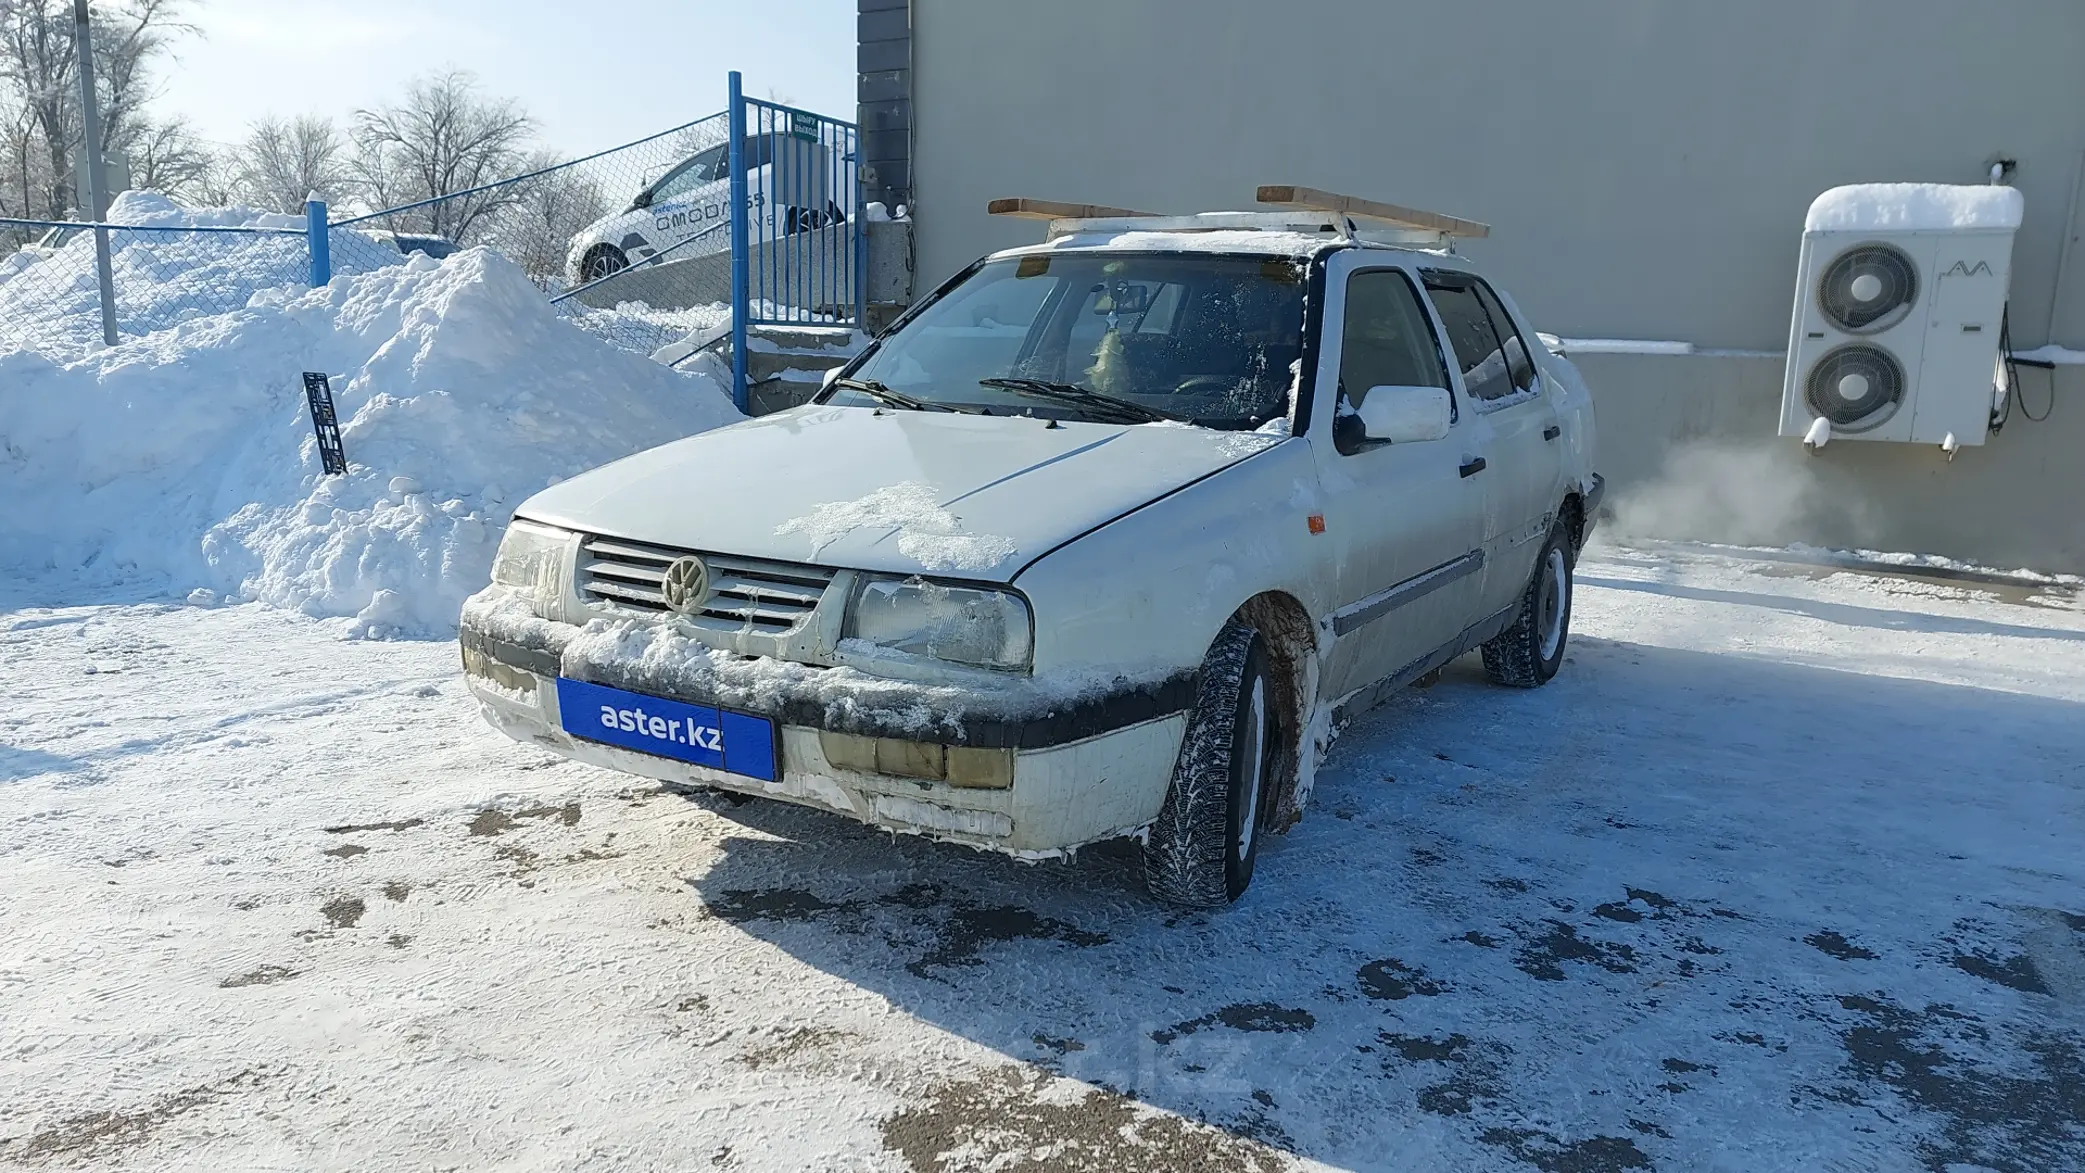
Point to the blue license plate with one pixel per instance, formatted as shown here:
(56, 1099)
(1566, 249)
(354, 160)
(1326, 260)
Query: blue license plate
(718, 738)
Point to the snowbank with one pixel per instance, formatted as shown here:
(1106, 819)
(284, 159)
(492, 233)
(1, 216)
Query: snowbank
(1914, 207)
(186, 459)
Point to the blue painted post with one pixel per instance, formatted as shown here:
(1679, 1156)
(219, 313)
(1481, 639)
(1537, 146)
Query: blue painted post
(741, 301)
(320, 243)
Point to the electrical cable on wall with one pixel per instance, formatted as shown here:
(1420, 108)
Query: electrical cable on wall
(2002, 411)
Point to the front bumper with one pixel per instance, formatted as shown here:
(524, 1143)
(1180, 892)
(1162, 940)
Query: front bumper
(1086, 765)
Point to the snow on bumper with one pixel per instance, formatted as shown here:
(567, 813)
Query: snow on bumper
(1023, 768)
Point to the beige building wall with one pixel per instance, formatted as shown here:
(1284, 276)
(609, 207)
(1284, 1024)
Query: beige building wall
(1687, 444)
(1646, 165)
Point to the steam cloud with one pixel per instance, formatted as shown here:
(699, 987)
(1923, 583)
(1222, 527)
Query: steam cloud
(1755, 495)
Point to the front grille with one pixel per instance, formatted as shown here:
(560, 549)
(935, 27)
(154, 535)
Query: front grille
(746, 594)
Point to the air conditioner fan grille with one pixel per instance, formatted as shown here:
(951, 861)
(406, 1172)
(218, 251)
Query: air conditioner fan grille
(1856, 387)
(1867, 288)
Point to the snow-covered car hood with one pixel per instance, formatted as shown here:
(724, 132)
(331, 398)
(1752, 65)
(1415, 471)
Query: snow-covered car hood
(905, 492)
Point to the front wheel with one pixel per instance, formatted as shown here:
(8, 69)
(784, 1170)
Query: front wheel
(1202, 849)
(601, 260)
(1528, 654)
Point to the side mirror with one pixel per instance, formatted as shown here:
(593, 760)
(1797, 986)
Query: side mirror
(831, 373)
(1405, 415)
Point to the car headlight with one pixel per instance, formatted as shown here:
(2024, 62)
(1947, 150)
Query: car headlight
(966, 625)
(532, 563)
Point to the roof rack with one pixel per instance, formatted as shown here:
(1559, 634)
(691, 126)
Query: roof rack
(1028, 209)
(1290, 195)
(1303, 209)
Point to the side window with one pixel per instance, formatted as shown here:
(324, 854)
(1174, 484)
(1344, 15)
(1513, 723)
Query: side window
(1520, 366)
(1386, 339)
(692, 174)
(1470, 332)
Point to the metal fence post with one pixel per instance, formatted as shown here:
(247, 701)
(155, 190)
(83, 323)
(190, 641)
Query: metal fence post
(741, 300)
(860, 259)
(97, 177)
(319, 241)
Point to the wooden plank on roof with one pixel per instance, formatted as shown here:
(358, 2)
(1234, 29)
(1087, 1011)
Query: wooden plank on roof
(1313, 199)
(1055, 210)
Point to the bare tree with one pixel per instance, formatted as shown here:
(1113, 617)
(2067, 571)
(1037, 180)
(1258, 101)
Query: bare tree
(128, 40)
(443, 138)
(283, 162)
(39, 63)
(25, 160)
(167, 157)
(535, 230)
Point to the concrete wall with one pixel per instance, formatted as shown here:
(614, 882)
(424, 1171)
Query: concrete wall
(706, 279)
(1645, 165)
(1687, 444)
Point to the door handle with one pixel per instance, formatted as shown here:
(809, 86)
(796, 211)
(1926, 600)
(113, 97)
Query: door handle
(1473, 466)
(1552, 432)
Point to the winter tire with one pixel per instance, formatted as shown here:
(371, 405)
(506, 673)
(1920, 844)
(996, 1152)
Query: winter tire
(601, 260)
(1528, 653)
(1201, 850)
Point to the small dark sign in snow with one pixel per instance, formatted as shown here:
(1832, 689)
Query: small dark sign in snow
(320, 393)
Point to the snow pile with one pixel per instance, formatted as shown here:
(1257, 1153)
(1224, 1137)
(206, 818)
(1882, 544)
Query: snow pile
(162, 278)
(1914, 207)
(186, 458)
(926, 532)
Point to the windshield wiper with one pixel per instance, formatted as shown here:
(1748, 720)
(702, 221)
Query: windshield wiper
(883, 394)
(1078, 396)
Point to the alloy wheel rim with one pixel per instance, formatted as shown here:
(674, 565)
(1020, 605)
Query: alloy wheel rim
(1555, 577)
(1255, 763)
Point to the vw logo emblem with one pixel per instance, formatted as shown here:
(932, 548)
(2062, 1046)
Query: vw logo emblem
(686, 586)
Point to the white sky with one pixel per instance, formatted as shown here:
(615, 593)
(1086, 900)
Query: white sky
(593, 74)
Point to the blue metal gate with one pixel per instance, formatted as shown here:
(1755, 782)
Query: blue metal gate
(799, 252)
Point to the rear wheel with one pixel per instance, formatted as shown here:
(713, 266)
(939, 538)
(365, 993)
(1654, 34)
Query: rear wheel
(1202, 849)
(1528, 654)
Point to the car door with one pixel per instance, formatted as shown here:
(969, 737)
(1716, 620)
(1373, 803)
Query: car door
(1405, 525)
(1521, 462)
(688, 199)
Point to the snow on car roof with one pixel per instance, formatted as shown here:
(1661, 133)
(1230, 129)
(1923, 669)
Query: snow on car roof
(1247, 241)
(1297, 244)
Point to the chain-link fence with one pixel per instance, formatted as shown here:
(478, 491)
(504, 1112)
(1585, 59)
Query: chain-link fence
(599, 235)
(161, 275)
(633, 244)
(50, 292)
(630, 243)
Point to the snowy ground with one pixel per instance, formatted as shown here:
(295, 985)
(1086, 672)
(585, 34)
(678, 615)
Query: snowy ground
(1784, 872)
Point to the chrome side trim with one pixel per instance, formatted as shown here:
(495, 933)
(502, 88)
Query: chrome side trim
(1474, 636)
(1418, 586)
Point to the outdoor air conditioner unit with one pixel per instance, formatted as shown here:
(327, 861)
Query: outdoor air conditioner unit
(1898, 313)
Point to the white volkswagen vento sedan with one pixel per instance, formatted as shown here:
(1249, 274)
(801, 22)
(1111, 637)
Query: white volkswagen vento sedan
(1103, 539)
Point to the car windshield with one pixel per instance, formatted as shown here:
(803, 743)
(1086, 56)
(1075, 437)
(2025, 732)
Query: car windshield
(1207, 338)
